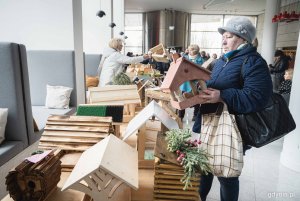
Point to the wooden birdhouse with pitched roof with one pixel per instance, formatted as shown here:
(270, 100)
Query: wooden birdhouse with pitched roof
(106, 171)
(138, 125)
(160, 54)
(182, 70)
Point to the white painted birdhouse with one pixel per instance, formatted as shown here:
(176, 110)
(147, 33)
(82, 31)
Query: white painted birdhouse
(106, 171)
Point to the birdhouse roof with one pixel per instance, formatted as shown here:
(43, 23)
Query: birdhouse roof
(111, 155)
(181, 71)
(152, 109)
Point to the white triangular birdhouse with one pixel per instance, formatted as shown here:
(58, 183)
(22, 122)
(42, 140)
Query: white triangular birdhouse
(152, 109)
(105, 170)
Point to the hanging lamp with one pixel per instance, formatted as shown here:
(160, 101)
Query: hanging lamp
(100, 13)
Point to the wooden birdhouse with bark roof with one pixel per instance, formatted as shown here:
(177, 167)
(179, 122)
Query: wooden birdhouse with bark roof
(106, 171)
(182, 70)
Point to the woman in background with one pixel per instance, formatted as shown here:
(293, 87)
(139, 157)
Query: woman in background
(194, 56)
(112, 61)
(280, 65)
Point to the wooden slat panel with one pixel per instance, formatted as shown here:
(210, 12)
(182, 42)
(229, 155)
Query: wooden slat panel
(44, 145)
(76, 128)
(175, 197)
(169, 166)
(175, 177)
(75, 134)
(176, 192)
(78, 123)
(161, 186)
(116, 94)
(69, 140)
(101, 96)
(165, 181)
(79, 118)
(113, 88)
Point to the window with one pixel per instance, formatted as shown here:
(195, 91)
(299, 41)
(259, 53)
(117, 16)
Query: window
(134, 32)
(204, 31)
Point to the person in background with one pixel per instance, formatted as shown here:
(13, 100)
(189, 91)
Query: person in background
(185, 53)
(225, 87)
(212, 64)
(286, 86)
(207, 55)
(112, 61)
(204, 56)
(160, 66)
(195, 57)
(277, 70)
(214, 56)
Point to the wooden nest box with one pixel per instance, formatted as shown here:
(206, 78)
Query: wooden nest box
(160, 54)
(35, 181)
(180, 71)
(106, 171)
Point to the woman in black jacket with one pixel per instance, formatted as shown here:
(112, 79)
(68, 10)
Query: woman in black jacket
(225, 86)
(281, 64)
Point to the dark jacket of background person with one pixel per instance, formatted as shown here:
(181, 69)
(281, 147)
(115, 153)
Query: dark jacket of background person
(280, 65)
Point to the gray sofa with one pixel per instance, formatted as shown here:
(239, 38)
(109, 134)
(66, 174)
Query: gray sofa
(53, 67)
(15, 95)
(91, 63)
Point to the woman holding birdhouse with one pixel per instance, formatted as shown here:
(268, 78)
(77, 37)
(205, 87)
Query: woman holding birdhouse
(112, 61)
(241, 80)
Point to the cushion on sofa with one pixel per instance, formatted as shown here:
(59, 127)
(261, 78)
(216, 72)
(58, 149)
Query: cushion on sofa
(58, 97)
(3, 120)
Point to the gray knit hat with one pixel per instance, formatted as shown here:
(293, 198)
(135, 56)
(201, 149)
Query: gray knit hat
(240, 26)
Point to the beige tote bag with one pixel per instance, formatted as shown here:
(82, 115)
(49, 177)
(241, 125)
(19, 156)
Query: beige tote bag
(222, 140)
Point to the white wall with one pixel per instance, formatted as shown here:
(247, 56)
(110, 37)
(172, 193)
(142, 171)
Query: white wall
(96, 32)
(287, 35)
(38, 24)
(94, 28)
(259, 30)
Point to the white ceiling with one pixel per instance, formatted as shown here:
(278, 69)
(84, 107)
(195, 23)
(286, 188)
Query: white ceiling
(231, 7)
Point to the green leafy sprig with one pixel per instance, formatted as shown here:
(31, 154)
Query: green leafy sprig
(193, 159)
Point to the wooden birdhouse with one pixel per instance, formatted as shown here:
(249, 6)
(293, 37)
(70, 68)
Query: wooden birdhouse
(106, 171)
(36, 177)
(138, 125)
(160, 54)
(126, 95)
(180, 71)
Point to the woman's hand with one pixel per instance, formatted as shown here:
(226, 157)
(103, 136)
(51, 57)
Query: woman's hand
(211, 95)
